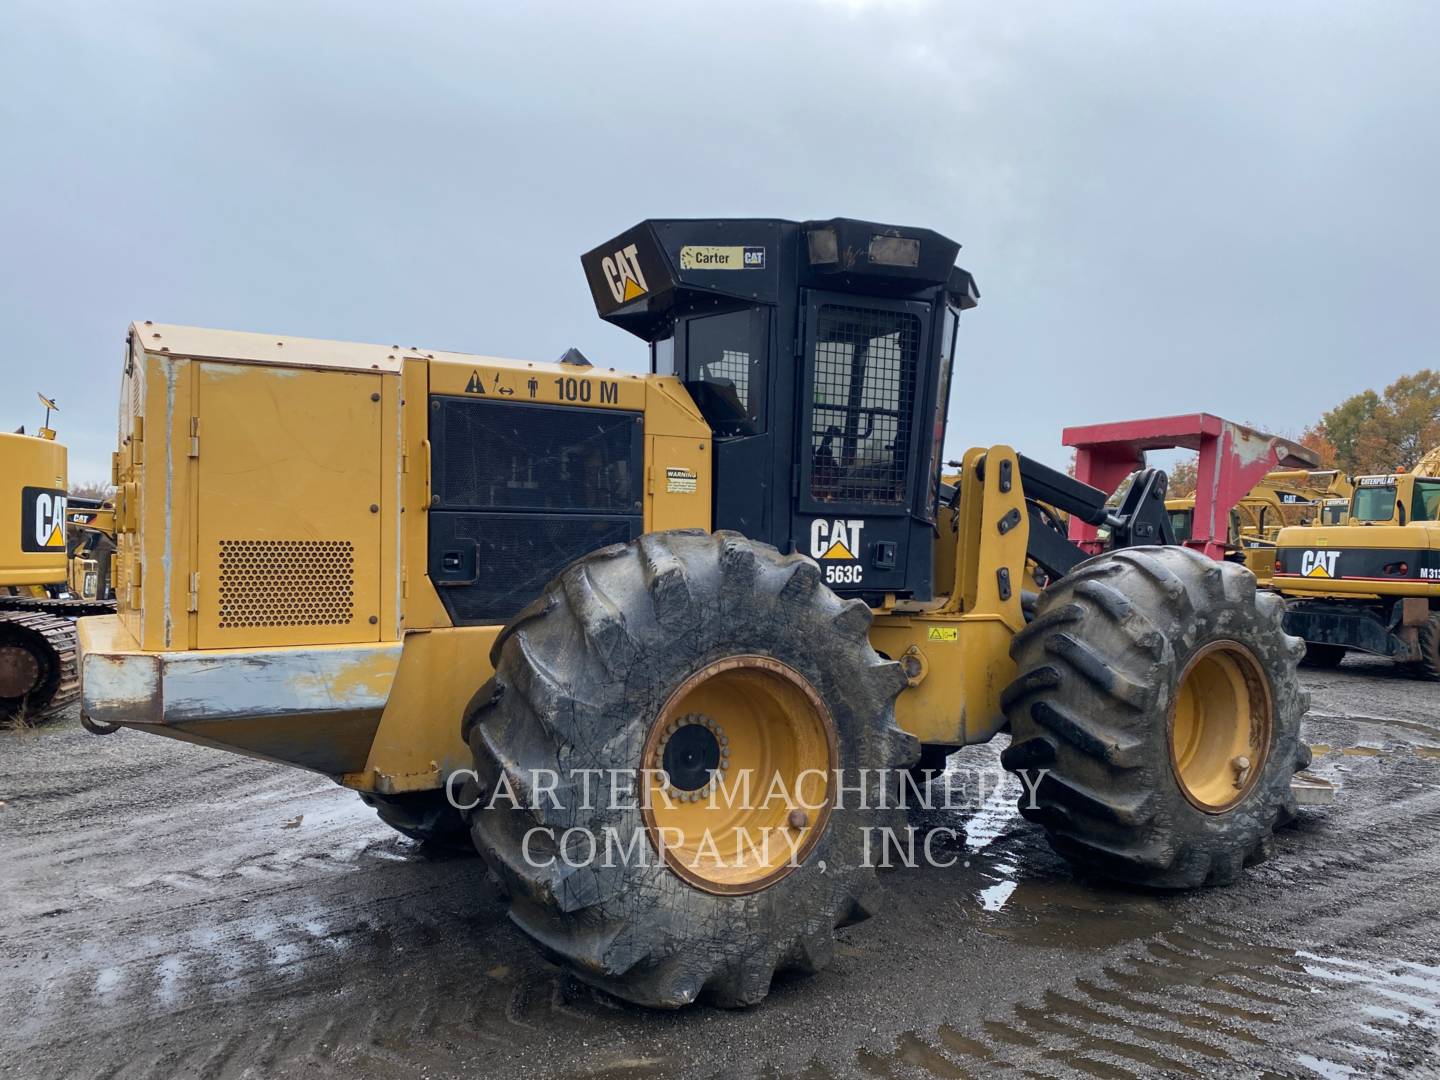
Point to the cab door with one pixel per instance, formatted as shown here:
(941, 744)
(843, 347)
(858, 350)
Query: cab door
(859, 437)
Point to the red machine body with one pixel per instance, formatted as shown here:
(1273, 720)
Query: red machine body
(1233, 459)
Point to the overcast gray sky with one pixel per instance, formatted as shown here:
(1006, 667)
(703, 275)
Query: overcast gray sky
(1168, 207)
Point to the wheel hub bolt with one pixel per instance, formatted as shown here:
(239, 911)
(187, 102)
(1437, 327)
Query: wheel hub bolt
(1241, 765)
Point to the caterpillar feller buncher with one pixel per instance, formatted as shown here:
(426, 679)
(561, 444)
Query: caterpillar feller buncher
(587, 602)
(38, 671)
(1371, 585)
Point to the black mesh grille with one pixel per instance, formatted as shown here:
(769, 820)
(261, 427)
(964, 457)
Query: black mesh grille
(510, 456)
(516, 555)
(523, 490)
(864, 380)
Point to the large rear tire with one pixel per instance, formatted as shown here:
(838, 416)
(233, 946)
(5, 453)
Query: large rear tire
(1157, 691)
(690, 652)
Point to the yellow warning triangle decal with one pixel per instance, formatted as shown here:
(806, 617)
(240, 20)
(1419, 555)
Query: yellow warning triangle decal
(632, 290)
(1319, 571)
(57, 538)
(837, 551)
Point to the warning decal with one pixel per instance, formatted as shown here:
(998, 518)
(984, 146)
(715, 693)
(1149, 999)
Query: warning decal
(681, 481)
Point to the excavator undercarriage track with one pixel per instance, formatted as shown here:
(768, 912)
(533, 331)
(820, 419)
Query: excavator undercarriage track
(69, 608)
(39, 671)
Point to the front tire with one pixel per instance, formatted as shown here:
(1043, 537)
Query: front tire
(1158, 692)
(691, 652)
(1428, 666)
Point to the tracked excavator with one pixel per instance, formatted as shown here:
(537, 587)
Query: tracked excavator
(39, 675)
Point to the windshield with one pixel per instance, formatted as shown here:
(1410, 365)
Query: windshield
(1373, 503)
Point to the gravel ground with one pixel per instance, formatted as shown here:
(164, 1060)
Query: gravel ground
(168, 910)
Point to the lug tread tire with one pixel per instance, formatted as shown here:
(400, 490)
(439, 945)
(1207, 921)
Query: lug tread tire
(578, 676)
(1098, 669)
(1428, 666)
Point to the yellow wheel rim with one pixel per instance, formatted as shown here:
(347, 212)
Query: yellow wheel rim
(739, 768)
(1220, 726)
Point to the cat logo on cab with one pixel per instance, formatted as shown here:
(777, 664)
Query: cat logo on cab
(623, 274)
(836, 544)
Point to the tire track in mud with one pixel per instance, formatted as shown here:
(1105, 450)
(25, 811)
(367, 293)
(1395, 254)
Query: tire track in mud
(232, 946)
(1244, 989)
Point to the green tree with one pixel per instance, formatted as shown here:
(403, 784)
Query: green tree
(1344, 425)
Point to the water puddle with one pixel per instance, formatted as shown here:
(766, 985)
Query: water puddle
(993, 898)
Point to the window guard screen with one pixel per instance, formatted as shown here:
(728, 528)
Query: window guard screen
(865, 360)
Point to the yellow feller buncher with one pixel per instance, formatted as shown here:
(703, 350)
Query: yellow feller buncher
(1371, 585)
(589, 606)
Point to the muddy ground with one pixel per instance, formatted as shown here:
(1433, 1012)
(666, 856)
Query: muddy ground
(170, 910)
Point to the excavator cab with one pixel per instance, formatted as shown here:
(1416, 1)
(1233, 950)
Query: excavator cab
(820, 354)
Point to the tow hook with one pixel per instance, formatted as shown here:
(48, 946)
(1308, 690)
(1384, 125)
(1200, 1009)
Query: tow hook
(97, 728)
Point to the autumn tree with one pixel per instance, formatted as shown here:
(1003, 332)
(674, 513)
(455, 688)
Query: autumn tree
(1183, 478)
(1374, 433)
(1315, 438)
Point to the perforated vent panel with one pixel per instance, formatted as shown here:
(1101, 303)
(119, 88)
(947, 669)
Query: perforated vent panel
(286, 583)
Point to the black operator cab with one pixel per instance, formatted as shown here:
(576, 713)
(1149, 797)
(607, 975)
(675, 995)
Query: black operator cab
(820, 354)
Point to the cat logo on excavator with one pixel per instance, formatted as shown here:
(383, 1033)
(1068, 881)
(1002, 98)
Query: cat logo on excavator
(1319, 563)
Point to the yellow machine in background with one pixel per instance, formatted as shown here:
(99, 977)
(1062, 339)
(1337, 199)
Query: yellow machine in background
(1284, 497)
(1372, 584)
(50, 550)
(90, 540)
(436, 577)
(37, 647)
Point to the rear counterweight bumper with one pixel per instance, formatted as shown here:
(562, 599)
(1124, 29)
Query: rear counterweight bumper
(315, 707)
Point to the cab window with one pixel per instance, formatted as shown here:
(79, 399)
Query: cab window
(1180, 524)
(725, 369)
(864, 366)
(1427, 501)
(1375, 503)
